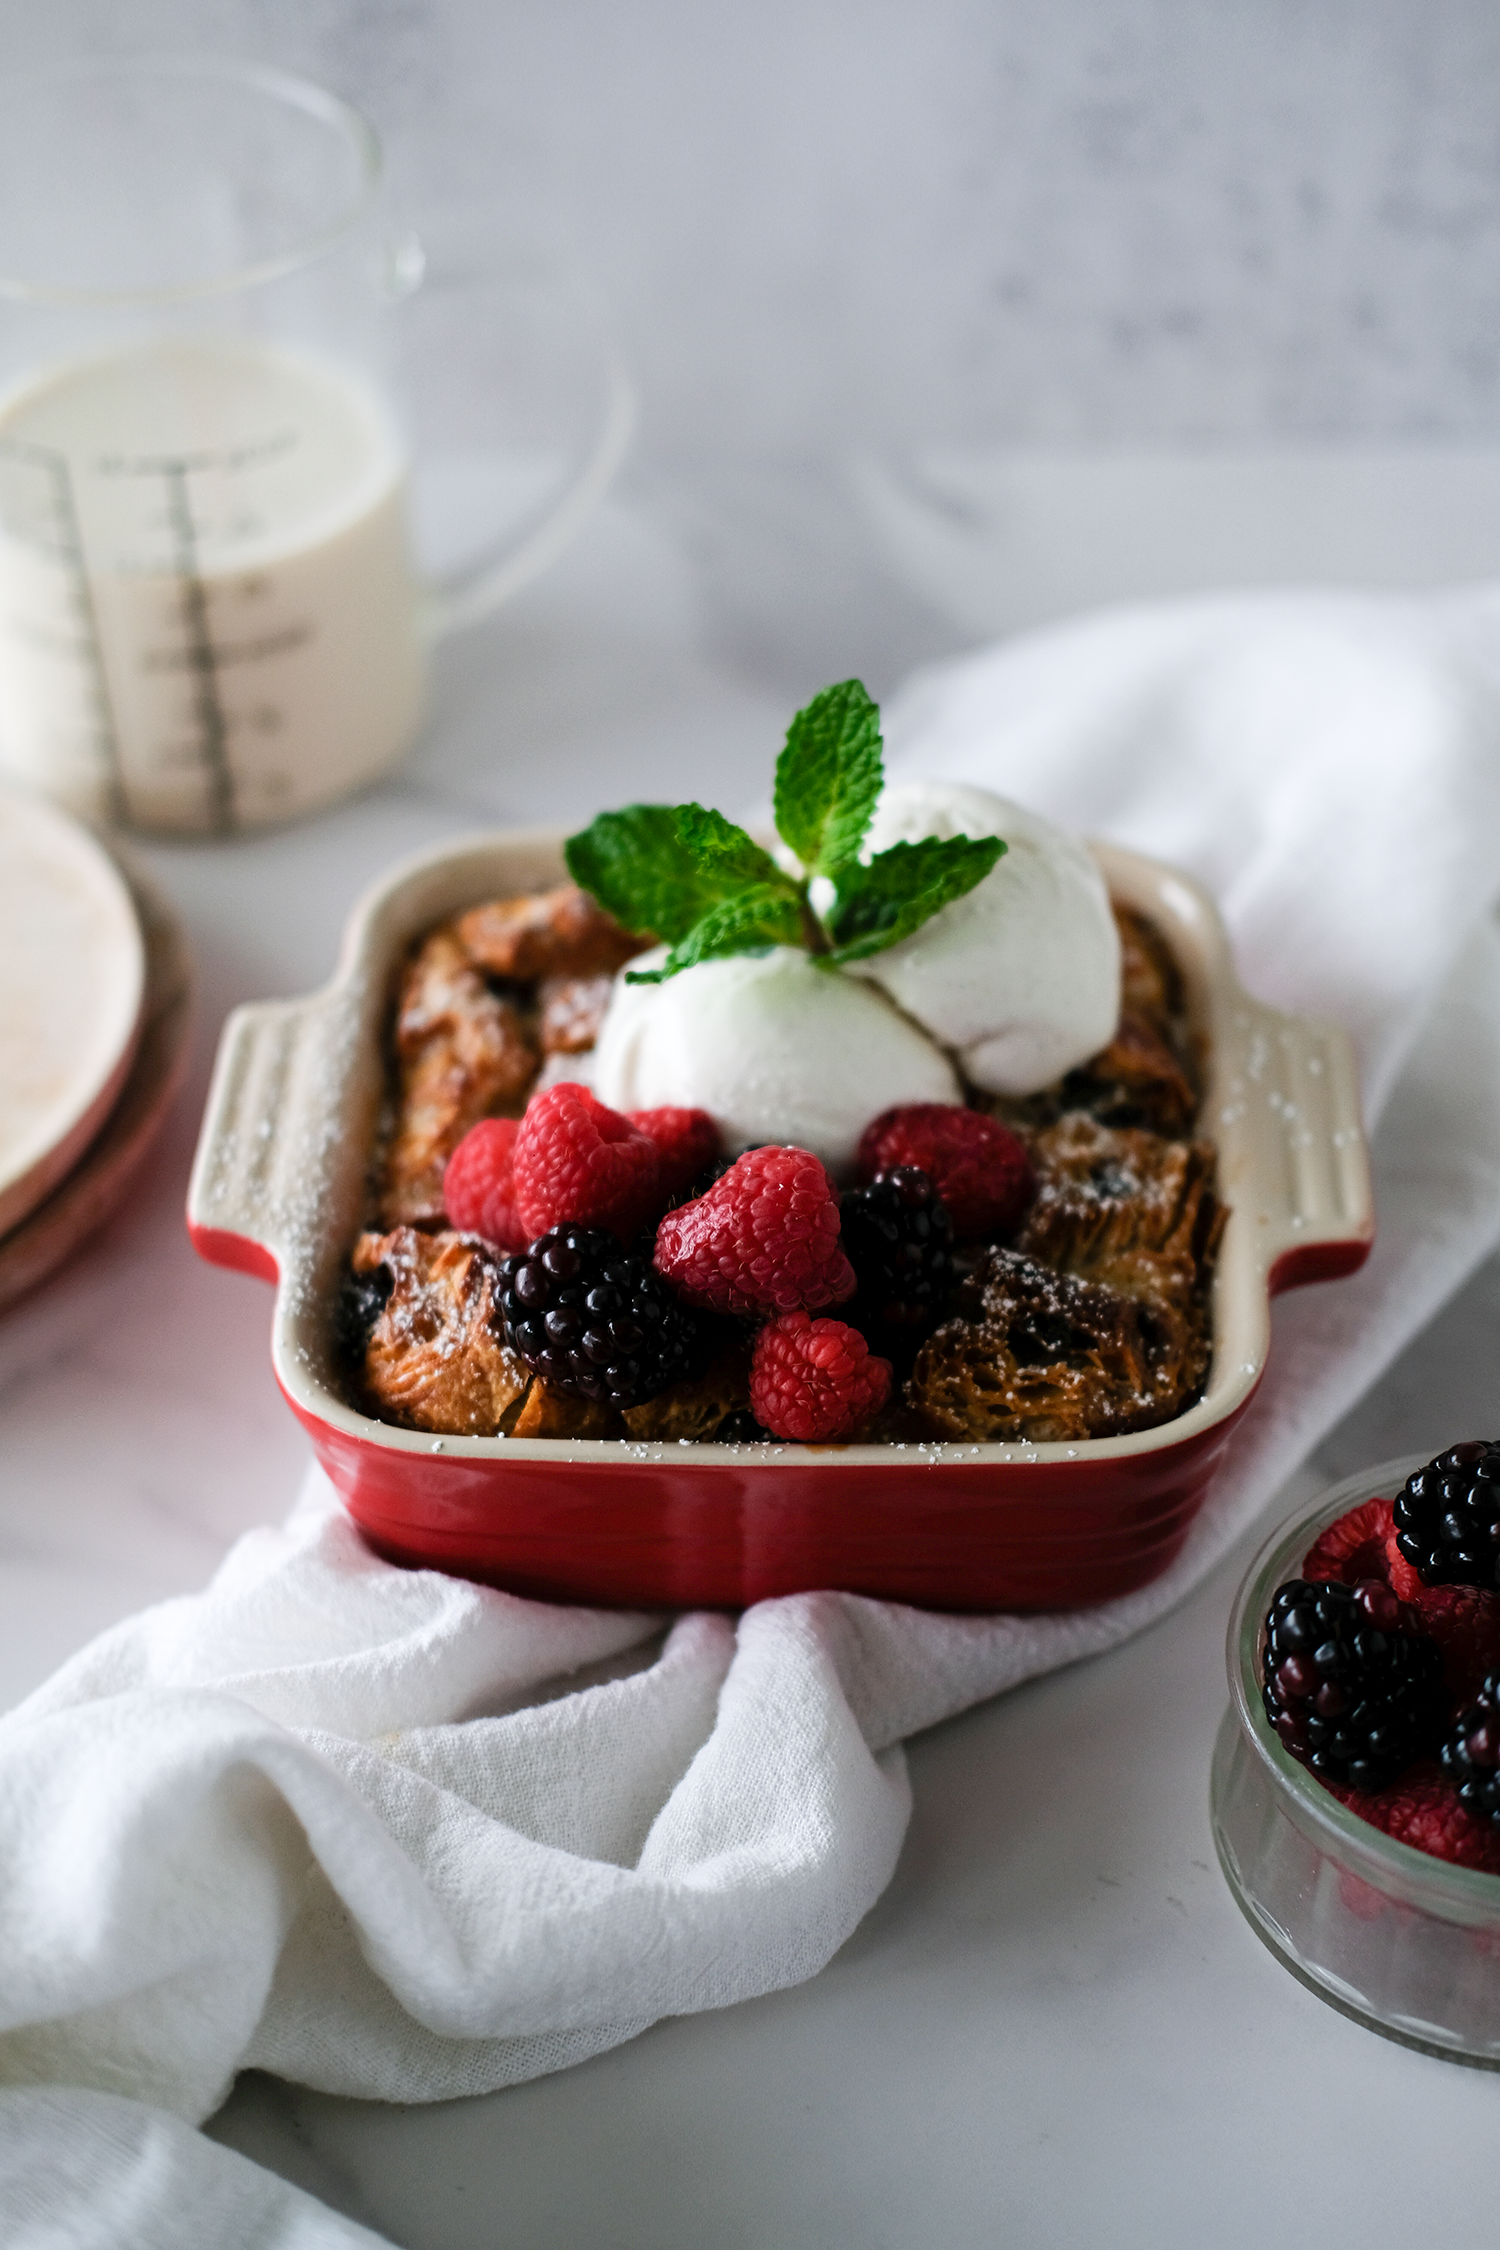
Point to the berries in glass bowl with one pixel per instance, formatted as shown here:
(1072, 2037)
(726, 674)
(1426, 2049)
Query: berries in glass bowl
(1352, 1686)
(1370, 1662)
(1373, 1878)
(1447, 1516)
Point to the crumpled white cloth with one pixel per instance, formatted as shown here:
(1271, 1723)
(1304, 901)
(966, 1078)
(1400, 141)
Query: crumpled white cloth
(393, 1835)
(1327, 764)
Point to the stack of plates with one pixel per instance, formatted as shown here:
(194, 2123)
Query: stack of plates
(93, 1023)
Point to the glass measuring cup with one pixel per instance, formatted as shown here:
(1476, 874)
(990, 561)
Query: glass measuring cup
(210, 618)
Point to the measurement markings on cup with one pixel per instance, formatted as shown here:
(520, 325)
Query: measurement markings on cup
(201, 658)
(225, 617)
(201, 655)
(53, 529)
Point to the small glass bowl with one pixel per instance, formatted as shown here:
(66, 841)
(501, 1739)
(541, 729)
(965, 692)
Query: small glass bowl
(1399, 1941)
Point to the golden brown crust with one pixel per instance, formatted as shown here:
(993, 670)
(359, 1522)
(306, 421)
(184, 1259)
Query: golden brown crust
(692, 1411)
(436, 1359)
(1138, 1214)
(572, 1011)
(1123, 1207)
(1097, 1322)
(559, 933)
(1036, 1356)
(551, 1413)
(1150, 980)
(1136, 1080)
(461, 1054)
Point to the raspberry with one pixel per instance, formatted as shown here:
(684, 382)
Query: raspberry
(1349, 1687)
(899, 1240)
(1448, 1516)
(978, 1166)
(1354, 1547)
(479, 1190)
(764, 1238)
(1397, 1571)
(594, 1320)
(710, 1175)
(813, 1381)
(1425, 1809)
(1465, 1623)
(687, 1141)
(577, 1161)
(1463, 1620)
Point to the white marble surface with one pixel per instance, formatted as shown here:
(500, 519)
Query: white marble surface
(829, 227)
(1101, 219)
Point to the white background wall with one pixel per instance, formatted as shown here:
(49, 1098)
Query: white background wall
(828, 224)
(1089, 217)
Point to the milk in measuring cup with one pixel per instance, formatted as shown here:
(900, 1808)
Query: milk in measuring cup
(208, 615)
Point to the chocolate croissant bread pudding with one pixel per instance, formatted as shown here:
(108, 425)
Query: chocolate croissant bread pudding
(884, 1136)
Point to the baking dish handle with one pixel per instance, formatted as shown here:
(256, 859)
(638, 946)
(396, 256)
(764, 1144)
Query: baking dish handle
(254, 1181)
(1292, 1086)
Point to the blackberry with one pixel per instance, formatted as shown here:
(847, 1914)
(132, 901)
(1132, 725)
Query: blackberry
(1448, 1516)
(740, 1428)
(361, 1300)
(1471, 1753)
(1350, 1690)
(593, 1319)
(898, 1237)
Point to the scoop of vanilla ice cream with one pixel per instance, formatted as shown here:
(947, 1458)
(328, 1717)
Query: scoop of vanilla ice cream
(772, 1047)
(1021, 978)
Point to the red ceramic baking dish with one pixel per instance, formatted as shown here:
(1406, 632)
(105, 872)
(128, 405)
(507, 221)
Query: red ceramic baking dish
(278, 1190)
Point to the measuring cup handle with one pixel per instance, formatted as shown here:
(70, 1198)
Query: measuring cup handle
(462, 597)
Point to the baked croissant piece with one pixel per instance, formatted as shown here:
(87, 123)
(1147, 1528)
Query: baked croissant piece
(560, 933)
(436, 1358)
(1036, 1355)
(1097, 1322)
(462, 1053)
(1124, 1207)
(470, 1030)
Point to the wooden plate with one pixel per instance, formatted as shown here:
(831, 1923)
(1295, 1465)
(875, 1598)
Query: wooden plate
(100, 1181)
(70, 1000)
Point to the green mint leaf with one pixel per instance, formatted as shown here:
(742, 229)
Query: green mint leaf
(899, 890)
(829, 776)
(641, 869)
(749, 922)
(725, 856)
(693, 879)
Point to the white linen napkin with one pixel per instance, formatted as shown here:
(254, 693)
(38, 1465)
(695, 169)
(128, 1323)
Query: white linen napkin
(393, 1835)
(1327, 765)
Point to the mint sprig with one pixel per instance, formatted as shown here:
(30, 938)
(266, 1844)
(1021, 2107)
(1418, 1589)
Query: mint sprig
(828, 778)
(752, 921)
(725, 856)
(882, 903)
(688, 876)
(639, 866)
